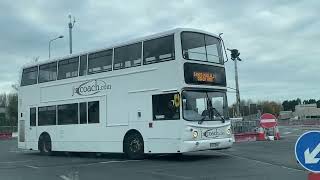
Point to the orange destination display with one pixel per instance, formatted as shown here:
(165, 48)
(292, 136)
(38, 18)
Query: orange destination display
(204, 76)
(201, 74)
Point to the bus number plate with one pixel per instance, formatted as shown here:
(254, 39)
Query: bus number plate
(214, 145)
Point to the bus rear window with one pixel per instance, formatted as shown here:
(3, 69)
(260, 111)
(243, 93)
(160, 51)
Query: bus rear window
(29, 76)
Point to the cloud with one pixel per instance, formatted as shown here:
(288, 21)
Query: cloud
(278, 40)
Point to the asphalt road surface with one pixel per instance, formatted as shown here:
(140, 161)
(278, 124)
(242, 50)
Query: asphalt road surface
(272, 160)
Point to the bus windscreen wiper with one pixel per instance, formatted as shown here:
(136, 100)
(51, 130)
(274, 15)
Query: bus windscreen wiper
(212, 108)
(217, 112)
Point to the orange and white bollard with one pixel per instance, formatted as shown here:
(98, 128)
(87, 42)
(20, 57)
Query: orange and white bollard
(277, 133)
(261, 135)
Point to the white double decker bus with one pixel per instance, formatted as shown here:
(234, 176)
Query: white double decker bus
(164, 93)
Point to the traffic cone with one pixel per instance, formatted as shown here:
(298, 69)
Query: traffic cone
(277, 133)
(261, 136)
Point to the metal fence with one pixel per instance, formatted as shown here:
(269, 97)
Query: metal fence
(8, 129)
(244, 126)
(309, 122)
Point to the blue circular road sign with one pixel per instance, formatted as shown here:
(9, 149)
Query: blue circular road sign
(307, 150)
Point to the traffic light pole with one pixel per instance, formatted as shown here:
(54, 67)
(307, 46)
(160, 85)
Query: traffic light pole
(238, 114)
(235, 57)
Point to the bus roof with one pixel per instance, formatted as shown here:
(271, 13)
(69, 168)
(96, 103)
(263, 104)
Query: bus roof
(119, 44)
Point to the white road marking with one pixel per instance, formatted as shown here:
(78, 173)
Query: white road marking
(285, 133)
(33, 167)
(290, 136)
(109, 162)
(64, 177)
(168, 175)
(261, 162)
(8, 162)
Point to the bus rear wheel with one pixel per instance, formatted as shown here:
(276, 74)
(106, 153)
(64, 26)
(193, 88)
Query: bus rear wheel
(44, 145)
(134, 146)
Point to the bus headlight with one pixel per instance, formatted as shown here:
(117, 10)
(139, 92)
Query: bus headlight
(228, 131)
(195, 134)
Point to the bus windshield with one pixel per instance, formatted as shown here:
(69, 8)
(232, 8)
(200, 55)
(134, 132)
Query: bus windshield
(204, 106)
(201, 47)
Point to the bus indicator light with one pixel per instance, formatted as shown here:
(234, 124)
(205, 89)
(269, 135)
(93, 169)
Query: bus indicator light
(204, 76)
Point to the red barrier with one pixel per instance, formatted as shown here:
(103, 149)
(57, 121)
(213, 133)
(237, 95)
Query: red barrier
(5, 135)
(313, 176)
(244, 137)
(261, 135)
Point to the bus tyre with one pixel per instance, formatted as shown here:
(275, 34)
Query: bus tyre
(134, 146)
(44, 145)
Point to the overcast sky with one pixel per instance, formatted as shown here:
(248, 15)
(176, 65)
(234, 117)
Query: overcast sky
(278, 40)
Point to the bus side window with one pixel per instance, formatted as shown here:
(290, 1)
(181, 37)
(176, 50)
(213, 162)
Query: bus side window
(158, 50)
(83, 113)
(93, 112)
(166, 106)
(33, 116)
(68, 114)
(48, 72)
(100, 61)
(127, 56)
(83, 65)
(68, 68)
(47, 115)
(29, 76)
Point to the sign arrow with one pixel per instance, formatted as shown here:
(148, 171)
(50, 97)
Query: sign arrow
(310, 157)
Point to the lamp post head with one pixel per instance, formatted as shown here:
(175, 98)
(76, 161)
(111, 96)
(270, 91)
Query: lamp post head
(61, 36)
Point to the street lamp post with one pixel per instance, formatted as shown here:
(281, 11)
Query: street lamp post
(59, 37)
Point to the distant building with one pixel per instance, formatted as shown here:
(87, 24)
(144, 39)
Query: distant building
(307, 111)
(284, 115)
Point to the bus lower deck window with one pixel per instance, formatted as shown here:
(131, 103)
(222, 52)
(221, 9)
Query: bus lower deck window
(93, 112)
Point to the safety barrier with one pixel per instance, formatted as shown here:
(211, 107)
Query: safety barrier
(313, 176)
(245, 137)
(7, 129)
(251, 131)
(5, 136)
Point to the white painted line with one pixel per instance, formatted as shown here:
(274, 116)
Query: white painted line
(169, 175)
(291, 136)
(64, 177)
(261, 162)
(33, 167)
(109, 162)
(8, 162)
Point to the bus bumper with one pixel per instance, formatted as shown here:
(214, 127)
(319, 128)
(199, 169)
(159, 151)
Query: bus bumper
(200, 145)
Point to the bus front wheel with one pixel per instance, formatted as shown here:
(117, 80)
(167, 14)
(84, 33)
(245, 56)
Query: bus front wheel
(44, 144)
(134, 146)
